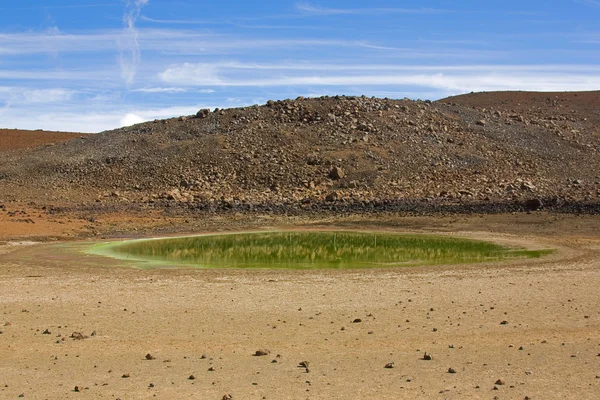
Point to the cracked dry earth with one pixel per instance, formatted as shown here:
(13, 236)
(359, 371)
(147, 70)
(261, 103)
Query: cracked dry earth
(76, 327)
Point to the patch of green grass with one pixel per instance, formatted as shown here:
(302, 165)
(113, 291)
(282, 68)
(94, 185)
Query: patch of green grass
(312, 250)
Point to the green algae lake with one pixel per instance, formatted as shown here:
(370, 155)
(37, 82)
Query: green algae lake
(309, 250)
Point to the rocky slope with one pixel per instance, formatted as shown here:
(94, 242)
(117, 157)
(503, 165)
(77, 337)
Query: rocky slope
(490, 150)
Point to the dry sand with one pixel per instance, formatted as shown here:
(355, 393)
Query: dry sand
(210, 323)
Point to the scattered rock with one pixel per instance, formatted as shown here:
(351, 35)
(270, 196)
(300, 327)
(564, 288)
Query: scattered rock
(504, 323)
(262, 352)
(481, 122)
(427, 357)
(78, 336)
(125, 375)
(451, 371)
(331, 197)
(46, 332)
(357, 320)
(191, 377)
(150, 357)
(500, 382)
(203, 113)
(389, 365)
(337, 173)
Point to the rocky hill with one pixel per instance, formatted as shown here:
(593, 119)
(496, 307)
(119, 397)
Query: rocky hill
(490, 151)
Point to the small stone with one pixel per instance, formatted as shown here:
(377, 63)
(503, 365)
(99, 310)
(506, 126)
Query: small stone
(481, 122)
(211, 369)
(78, 336)
(125, 376)
(451, 371)
(150, 357)
(357, 320)
(389, 365)
(151, 385)
(303, 364)
(203, 357)
(262, 352)
(504, 323)
(46, 332)
(191, 377)
(500, 382)
(337, 173)
(76, 389)
(427, 357)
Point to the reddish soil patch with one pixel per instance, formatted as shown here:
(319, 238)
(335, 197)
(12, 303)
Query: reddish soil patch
(582, 104)
(14, 139)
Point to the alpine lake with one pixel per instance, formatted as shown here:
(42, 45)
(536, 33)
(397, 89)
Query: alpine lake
(309, 250)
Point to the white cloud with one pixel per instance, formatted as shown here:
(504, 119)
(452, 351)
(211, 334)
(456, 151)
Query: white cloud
(192, 75)
(308, 8)
(130, 54)
(89, 122)
(593, 3)
(447, 78)
(20, 95)
(131, 119)
(161, 90)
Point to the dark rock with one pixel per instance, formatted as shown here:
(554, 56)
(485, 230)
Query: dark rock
(534, 204)
(427, 357)
(389, 365)
(262, 352)
(203, 113)
(331, 197)
(337, 173)
(150, 357)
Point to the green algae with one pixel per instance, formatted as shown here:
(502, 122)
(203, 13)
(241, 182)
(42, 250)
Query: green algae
(310, 250)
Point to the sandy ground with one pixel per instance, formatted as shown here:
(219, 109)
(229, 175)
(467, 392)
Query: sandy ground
(208, 324)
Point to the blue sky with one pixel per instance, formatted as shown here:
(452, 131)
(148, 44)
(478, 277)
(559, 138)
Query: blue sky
(90, 65)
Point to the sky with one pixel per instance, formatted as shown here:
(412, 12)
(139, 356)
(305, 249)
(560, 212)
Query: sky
(93, 65)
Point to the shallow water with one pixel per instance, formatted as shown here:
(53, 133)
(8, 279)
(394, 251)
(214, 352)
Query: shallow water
(311, 250)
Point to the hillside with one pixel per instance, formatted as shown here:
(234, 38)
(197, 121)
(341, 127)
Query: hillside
(493, 151)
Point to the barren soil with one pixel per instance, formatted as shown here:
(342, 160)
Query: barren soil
(13, 139)
(548, 348)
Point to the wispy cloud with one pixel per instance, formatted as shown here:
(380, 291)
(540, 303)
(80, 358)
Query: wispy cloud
(20, 95)
(160, 90)
(593, 3)
(311, 9)
(130, 54)
(457, 79)
(180, 21)
(54, 7)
